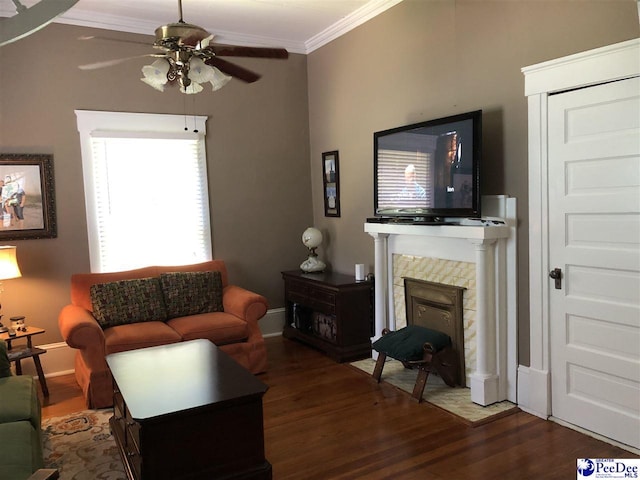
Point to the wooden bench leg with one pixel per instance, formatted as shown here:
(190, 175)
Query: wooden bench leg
(421, 382)
(377, 371)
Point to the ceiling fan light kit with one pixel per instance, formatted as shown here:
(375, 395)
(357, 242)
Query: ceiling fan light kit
(203, 73)
(155, 75)
(190, 74)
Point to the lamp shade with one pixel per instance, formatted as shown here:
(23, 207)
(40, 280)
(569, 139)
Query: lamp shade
(9, 263)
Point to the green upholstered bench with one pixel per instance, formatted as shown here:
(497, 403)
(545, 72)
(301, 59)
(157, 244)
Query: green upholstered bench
(20, 428)
(421, 348)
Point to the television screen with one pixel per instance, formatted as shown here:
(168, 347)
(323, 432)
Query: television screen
(429, 168)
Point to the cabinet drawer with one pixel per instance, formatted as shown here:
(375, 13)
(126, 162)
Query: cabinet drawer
(323, 296)
(297, 288)
(131, 445)
(118, 406)
(297, 297)
(132, 432)
(328, 308)
(135, 460)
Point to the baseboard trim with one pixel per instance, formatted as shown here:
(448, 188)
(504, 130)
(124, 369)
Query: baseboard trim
(271, 335)
(534, 391)
(272, 323)
(59, 360)
(597, 436)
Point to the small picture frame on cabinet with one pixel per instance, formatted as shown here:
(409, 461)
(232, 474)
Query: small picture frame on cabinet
(331, 182)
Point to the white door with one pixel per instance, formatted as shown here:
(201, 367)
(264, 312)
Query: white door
(594, 238)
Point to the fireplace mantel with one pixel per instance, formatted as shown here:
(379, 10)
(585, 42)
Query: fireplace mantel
(493, 251)
(468, 232)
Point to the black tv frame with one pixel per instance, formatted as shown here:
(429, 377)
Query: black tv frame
(434, 215)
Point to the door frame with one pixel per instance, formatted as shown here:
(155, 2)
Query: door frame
(593, 67)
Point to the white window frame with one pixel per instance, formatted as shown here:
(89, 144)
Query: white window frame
(135, 125)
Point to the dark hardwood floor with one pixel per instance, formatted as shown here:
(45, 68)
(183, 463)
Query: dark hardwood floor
(325, 420)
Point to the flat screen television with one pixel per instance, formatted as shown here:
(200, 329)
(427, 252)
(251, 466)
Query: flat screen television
(428, 171)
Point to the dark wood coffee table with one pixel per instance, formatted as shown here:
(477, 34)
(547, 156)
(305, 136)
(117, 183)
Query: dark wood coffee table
(187, 410)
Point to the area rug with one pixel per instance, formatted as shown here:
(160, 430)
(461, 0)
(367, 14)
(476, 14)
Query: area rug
(454, 400)
(81, 447)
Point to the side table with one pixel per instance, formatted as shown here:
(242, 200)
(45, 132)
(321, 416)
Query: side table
(330, 311)
(16, 354)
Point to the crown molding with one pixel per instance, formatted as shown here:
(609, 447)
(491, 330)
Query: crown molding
(358, 17)
(84, 18)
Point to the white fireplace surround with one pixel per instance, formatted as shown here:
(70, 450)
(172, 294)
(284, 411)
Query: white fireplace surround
(492, 248)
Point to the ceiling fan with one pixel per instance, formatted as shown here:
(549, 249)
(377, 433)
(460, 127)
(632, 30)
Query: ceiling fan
(29, 20)
(190, 59)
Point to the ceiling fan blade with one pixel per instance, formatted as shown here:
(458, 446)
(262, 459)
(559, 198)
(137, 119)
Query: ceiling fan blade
(116, 61)
(29, 20)
(232, 69)
(107, 39)
(239, 51)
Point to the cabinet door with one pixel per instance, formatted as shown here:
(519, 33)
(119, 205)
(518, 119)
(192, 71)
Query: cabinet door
(325, 326)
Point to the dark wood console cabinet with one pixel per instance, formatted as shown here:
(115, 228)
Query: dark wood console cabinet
(331, 312)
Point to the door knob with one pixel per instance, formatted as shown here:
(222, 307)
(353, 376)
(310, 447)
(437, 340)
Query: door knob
(556, 274)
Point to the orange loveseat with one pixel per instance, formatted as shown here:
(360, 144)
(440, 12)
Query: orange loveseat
(235, 330)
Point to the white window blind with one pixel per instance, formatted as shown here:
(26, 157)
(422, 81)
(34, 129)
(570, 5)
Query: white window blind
(147, 199)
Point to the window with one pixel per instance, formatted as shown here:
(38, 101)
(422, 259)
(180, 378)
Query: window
(146, 192)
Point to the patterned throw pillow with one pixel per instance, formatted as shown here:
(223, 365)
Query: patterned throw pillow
(190, 293)
(128, 301)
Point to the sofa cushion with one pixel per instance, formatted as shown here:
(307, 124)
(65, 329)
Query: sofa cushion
(21, 453)
(19, 400)
(138, 335)
(191, 293)
(218, 327)
(128, 301)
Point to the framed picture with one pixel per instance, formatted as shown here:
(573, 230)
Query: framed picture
(331, 181)
(27, 203)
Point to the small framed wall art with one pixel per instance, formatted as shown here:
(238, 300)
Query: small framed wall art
(27, 203)
(331, 182)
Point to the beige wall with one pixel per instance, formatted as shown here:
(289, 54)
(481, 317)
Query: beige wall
(257, 154)
(425, 59)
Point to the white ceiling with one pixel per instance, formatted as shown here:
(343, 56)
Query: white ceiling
(300, 26)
